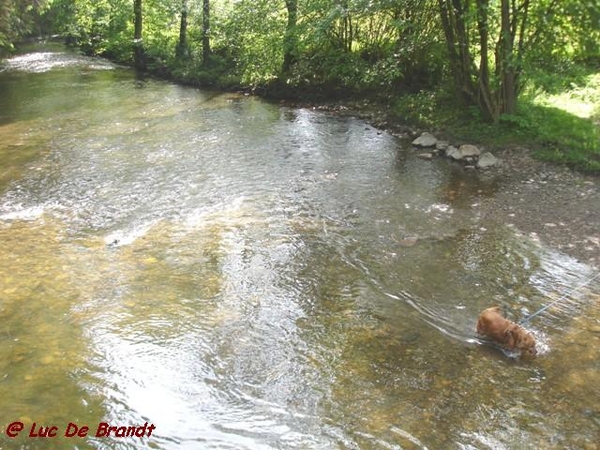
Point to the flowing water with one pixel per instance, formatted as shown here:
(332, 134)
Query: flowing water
(243, 275)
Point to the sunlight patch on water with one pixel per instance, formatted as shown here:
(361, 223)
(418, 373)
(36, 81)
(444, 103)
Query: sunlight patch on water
(409, 437)
(439, 207)
(219, 337)
(127, 237)
(237, 211)
(46, 61)
(20, 213)
(559, 285)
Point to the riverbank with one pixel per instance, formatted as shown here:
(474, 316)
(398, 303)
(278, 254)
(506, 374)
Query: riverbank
(552, 203)
(558, 115)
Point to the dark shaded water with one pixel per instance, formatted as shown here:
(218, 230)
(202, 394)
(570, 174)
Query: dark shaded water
(248, 276)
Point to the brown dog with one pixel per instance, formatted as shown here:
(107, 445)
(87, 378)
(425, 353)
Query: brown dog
(509, 335)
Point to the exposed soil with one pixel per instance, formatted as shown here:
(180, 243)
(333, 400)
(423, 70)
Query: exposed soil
(558, 204)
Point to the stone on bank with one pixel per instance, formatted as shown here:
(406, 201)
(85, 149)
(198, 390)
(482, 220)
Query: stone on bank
(425, 140)
(469, 155)
(487, 160)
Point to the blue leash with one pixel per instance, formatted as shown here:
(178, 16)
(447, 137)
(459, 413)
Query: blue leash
(560, 299)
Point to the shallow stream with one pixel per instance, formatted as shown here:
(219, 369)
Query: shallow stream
(244, 275)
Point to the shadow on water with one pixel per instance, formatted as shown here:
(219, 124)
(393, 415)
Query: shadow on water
(248, 276)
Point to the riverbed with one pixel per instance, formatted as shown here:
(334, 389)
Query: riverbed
(244, 275)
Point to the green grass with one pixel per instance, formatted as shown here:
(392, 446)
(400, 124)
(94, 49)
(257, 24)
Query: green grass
(561, 124)
(566, 138)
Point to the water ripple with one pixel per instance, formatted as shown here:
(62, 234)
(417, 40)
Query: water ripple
(246, 275)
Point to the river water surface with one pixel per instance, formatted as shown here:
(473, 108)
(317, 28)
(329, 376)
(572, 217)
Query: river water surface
(244, 275)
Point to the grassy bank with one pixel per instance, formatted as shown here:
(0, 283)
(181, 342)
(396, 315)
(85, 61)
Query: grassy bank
(559, 117)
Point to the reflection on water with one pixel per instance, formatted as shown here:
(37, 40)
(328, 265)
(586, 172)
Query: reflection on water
(248, 276)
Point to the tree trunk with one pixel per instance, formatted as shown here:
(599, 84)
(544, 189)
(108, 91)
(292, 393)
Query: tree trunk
(137, 35)
(347, 29)
(290, 40)
(457, 41)
(496, 95)
(182, 48)
(205, 33)
(509, 56)
(485, 99)
(505, 64)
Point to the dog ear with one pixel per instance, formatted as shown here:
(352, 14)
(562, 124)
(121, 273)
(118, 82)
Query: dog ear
(520, 341)
(480, 327)
(509, 338)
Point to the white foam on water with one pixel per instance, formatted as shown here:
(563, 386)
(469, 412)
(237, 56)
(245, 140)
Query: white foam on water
(20, 213)
(119, 238)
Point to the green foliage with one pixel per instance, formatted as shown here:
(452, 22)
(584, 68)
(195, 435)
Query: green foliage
(580, 94)
(567, 124)
(220, 73)
(565, 31)
(19, 18)
(423, 109)
(360, 45)
(341, 47)
(161, 33)
(253, 34)
(101, 27)
(543, 122)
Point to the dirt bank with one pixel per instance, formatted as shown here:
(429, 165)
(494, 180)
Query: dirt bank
(561, 206)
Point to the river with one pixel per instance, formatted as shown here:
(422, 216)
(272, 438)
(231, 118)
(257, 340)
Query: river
(244, 275)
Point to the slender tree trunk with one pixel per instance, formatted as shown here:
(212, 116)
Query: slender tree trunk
(290, 40)
(206, 33)
(347, 29)
(511, 45)
(496, 95)
(137, 34)
(182, 48)
(457, 41)
(485, 99)
(505, 63)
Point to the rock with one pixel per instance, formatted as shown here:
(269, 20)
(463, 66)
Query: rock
(425, 140)
(408, 241)
(452, 152)
(487, 160)
(426, 156)
(468, 150)
(441, 145)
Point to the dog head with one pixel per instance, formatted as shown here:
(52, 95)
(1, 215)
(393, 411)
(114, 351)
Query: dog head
(517, 337)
